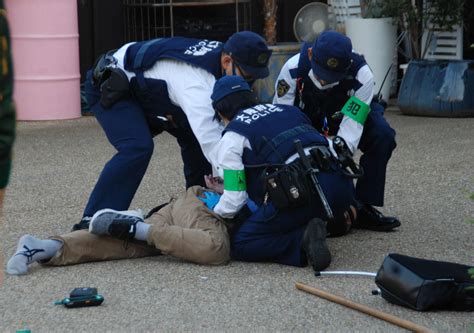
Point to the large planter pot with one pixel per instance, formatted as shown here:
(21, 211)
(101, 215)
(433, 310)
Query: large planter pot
(438, 88)
(45, 51)
(376, 40)
(265, 89)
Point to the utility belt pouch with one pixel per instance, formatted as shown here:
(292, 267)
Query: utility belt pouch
(111, 80)
(114, 88)
(287, 186)
(101, 65)
(422, 284)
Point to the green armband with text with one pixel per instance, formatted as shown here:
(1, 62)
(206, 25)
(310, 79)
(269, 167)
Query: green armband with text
(356, 110)
(234, 180)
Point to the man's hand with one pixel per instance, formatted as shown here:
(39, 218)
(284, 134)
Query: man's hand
(214, 183)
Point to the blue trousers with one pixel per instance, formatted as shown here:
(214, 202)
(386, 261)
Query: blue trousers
(127, 129)
(377, 144)
(276, 236)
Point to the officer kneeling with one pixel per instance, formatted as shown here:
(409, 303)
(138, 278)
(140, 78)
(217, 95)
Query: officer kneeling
(334, 87)
(257, 157)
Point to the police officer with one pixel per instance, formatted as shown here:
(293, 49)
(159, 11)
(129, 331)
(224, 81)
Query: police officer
(163, 84)
(334, 86)
(256, 137)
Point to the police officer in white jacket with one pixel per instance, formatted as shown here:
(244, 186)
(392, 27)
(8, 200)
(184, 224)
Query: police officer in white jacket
(256, 138)
(334, 86)
(163, 84)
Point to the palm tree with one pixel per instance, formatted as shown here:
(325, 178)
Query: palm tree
(270, 20)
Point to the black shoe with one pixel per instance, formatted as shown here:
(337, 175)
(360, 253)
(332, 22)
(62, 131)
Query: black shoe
(84, 224)
(118, 224)
(315, 246)
(371, 219)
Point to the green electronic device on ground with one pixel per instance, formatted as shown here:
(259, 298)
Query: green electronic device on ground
(81, 297)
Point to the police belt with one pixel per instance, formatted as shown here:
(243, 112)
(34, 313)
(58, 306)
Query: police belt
(287, 185)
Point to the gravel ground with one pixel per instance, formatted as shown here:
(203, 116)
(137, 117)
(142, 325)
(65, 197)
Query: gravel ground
(430, 180)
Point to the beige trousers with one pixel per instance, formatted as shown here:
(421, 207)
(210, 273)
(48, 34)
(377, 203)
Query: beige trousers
(185, 229)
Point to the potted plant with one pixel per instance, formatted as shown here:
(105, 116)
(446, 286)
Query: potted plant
(416, 18)
(431, 87)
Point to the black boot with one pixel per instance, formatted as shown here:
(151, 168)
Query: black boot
(370, 218)
(315, 246)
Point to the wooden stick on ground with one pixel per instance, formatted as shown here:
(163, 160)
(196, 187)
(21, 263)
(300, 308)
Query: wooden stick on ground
(362, 308)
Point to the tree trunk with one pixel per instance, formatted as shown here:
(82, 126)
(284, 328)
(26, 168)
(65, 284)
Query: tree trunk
(269, 12)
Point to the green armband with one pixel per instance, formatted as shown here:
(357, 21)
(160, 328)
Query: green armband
(356, 110)
(234, 180)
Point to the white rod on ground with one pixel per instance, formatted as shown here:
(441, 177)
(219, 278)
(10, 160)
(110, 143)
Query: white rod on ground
(358, 273)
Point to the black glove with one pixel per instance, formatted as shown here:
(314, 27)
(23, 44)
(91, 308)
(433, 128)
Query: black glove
(341, 147)
(344, 155)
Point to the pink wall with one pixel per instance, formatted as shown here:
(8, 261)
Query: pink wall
(45, 44)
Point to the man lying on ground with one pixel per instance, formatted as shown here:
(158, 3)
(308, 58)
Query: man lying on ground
(184, 228)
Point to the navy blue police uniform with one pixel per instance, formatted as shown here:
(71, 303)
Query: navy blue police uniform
(145, 109)
(143, 113)
(323, 108)
(334, 86)
(270, 234)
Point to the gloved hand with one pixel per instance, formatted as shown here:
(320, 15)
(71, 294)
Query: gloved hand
(341, 148)
(252, 205)
(344, 155)
(210, 199)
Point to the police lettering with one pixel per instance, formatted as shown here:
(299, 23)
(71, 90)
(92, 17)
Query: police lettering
(256, 112)
(202, 47)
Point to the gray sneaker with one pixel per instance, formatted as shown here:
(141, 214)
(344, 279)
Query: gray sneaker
(118, 224)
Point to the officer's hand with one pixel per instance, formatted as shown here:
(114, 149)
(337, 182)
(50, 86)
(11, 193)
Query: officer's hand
(341, 147)
(252, 205)
(210, 199)
(214, 183)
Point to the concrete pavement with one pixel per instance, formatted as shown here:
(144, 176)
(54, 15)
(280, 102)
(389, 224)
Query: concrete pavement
(430, 179)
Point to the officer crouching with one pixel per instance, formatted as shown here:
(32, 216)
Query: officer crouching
(257, 155)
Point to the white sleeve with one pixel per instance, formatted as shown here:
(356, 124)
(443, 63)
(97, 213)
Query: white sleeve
(120, 56)
(285, 85)
(349, 129)
(230, 150)
(190, 88)
(366, 78)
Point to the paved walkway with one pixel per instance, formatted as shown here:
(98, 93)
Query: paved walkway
(430, 179)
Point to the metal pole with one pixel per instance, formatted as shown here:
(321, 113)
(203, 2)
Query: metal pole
(237, 15)
(346, 273)
(171, 18)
